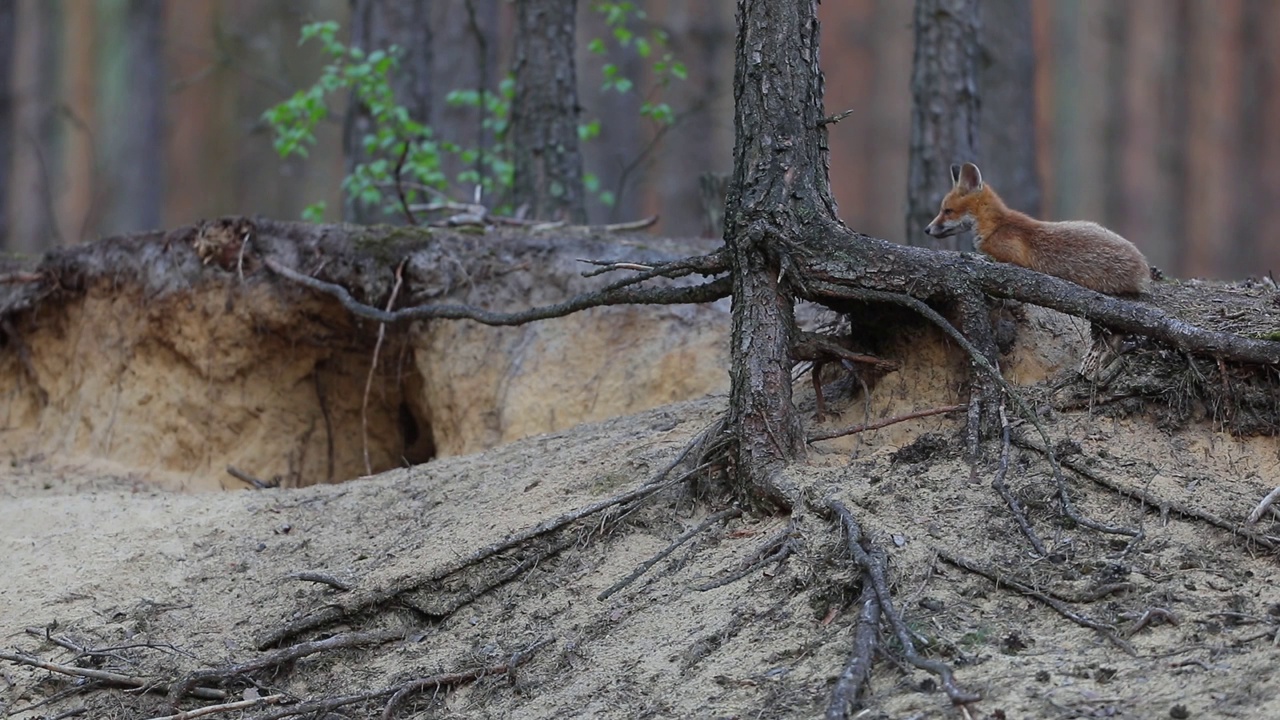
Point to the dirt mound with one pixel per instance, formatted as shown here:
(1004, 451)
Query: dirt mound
(179, 582)
(455, 570)
(135, 351)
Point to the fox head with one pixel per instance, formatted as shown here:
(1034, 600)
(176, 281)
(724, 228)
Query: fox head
(957, 213)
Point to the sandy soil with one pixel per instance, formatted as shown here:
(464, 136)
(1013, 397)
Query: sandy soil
(102, 571)
(185, 581)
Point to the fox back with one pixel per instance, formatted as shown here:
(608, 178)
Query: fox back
(1080, 251)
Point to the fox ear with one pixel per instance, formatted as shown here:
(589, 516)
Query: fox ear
(970, 178)
(955, 174)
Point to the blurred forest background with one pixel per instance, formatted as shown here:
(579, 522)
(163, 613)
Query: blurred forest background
(1159, 118)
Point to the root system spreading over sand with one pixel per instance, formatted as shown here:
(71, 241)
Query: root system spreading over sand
(117, 396)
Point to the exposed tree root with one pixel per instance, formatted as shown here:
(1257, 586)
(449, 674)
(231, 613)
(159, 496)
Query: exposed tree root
(1015, 507)
(981, 361)
(363, 601)
(373, 364)
(1108, 630)
(223, 675)
(224, 707)
(110, 678)
(399, 692)
(617, 293)
(1163, 506)
(872, 562)
(775, 551)
(858, 668)
(854, 429)
(684, 537)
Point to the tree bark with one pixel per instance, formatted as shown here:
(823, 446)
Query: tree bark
(544, 114)
(1007, 131)
(8, 19)
(134, 142)
(944, 109)
(779, 196)
(379, 24)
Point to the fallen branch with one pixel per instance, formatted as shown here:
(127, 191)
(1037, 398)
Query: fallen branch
(225, 707)
(854, 429)
(111, 678)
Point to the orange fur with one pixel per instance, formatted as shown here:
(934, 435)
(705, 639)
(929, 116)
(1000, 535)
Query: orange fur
(1080, 251)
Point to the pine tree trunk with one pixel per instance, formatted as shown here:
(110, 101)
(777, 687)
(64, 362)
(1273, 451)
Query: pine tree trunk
(544, 113)
(1007, 131)
(778, 196)
(133, 144)
(944, 109)
(377, 25)
(8, 21)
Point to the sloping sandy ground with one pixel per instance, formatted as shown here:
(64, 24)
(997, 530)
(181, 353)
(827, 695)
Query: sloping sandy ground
(181, 582)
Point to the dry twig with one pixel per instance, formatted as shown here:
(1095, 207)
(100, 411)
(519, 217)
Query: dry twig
(245, 477)
(20, 277)
(323, 578)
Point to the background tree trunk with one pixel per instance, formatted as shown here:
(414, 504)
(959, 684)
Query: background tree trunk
(131, 149)
(944, 109)
(8, 19)
(779, 193)
(544, 114)
(377, 25)
(33, 227)
(1007, 130)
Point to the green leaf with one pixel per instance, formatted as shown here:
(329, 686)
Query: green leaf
(314, 213)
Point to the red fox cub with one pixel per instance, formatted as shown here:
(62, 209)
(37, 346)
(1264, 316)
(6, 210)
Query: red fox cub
(1083, 252)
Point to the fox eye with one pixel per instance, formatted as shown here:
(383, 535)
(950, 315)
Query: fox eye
(948, 211)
